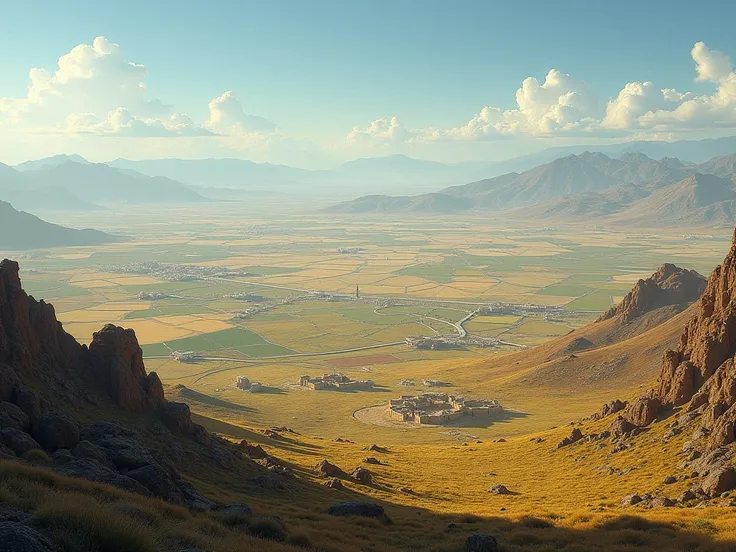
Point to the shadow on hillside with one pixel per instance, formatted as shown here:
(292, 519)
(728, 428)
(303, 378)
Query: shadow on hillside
(505, 416)
(285, 441)
(191, 395)
(416, 528)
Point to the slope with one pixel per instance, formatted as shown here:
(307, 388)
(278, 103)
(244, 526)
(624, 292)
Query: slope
(696, 200)
(21, 230)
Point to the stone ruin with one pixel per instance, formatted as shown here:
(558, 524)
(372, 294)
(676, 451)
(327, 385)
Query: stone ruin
(243, 383)
(336, 381)
(439, 408)
(185, 356)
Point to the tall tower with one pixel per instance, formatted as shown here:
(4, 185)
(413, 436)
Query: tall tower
(357, 291)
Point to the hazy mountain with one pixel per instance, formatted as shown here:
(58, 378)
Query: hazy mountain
(720, 166)
(221, 173)
(563, 179)
(697, 199)
(21, 230)
(96, 182)
(51, 161)
(52, 198)
(425, 203)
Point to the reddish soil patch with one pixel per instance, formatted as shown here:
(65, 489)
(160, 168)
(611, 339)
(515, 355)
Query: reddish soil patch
(351, 362)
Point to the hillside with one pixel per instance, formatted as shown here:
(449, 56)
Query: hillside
(21, 230)
(696, 200)
(125, 469)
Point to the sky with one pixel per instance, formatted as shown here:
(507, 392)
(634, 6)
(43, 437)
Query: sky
(316, 83)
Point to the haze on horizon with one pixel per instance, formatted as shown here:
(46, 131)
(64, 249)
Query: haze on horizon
(314, 86)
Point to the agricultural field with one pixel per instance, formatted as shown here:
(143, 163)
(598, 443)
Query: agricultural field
(310, 295)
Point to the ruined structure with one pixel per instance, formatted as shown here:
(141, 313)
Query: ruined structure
(334, 381)
(439, 408)
(244, 384)
(185, 356)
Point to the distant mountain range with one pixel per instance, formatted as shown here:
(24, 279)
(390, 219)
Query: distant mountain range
(633, 189)
(20, 230)
(66, 183)
(190, 180)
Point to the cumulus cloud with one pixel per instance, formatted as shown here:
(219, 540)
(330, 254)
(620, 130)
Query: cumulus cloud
(381, 130)
(227, 117)
(564, 106)
(96, 91)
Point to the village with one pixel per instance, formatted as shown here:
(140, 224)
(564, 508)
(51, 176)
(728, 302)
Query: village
(439, 408)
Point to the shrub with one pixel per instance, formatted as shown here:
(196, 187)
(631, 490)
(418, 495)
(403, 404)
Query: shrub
(300, 540)
(265, 528)
(84, 524)
(37, 456)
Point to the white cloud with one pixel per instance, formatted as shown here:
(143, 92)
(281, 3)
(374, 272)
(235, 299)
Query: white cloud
(564, 106)
(381, 130)
(227, 117)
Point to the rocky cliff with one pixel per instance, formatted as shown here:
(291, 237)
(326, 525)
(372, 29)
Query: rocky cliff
(669, 285)
(701, 372)
(36, 353)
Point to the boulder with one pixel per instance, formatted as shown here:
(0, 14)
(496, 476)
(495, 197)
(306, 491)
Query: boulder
(18, 441)
(610, 408)
(631, 500)
(177, 417)
(718, 481)
(362, 475)
(193, 498)
(480, 542)
(499, 490)
(687, 496)
(54, 431)
(662, 502)
(88, 468)
(375, 448)
(270, 481)
(669, 480)
(371, 460)
(87, 449)
(8, 382)
(355, 508)
(326, 469)
(620, 427)
(17, 537)
(223, 458)
(13, 417)
(27, 400)
(253, 451)
(574, 437)
(157, 480)
(643, 411)
(334, 483)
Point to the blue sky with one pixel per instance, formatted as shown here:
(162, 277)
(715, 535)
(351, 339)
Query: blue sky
(318, 69)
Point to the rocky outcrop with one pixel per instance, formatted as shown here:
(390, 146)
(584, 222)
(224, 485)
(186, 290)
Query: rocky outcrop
(669, 285)
(327, 469)
(574, 437)
(117, 361)
(702, 370)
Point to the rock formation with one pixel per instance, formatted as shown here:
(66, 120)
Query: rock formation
(117, 360)
(35, 348)
(702, 370)
(670, 285)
